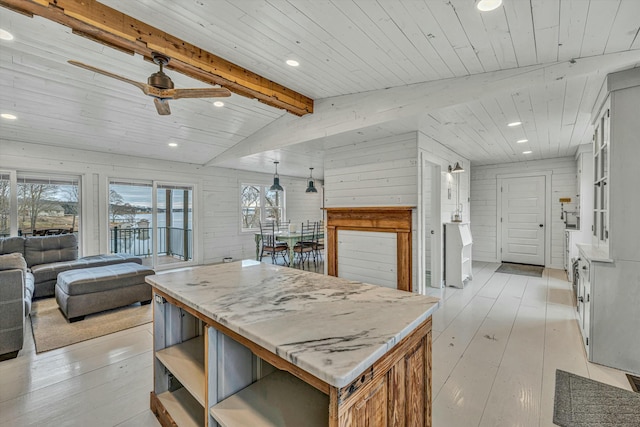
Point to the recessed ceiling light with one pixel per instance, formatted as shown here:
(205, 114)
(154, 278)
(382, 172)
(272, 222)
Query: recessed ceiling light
(512, 124)
(173, 144)
(488, 5)
(521, 141)
(527, 152)
(5, 35)
(292, 62)
(218, 104)
(8, 116)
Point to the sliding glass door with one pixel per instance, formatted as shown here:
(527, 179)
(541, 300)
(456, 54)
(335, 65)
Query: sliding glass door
(152, 220)
(175, 223)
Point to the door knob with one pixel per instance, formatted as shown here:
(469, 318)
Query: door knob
(580, 299)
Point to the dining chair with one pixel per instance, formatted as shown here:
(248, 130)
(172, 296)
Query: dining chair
(270, 246)
(303, 249)
(284, 225)
(318, 247)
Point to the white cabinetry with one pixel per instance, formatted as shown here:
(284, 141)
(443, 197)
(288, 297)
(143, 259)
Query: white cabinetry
(584, 299)
(457, 254)
(610, 312)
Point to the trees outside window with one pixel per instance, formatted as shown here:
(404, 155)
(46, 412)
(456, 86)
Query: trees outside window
(258, 203)
(47, 203)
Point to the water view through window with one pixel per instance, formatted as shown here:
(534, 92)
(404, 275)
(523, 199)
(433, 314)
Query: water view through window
(131, 219)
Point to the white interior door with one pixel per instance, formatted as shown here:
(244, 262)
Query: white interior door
(522, 216)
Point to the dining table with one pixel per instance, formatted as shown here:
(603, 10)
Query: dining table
(290, 237)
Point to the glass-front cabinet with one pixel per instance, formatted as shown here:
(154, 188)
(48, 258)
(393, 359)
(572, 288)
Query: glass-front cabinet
(601, 178)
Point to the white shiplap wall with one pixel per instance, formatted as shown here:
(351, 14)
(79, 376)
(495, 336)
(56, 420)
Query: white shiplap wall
(368, 256)
(217, 195)
(484, 209)
(381, 172)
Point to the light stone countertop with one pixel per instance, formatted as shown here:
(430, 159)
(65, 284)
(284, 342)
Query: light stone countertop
(332, 328)
(594, 253)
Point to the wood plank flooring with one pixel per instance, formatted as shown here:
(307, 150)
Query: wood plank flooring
(497, 344)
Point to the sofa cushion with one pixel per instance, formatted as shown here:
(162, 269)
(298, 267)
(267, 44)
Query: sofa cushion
(49, 272)
(99, 279)
(29, 286)
(10, 245)
(50, 249)
(12, 261)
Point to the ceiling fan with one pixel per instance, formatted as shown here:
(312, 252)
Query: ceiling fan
(159, 85)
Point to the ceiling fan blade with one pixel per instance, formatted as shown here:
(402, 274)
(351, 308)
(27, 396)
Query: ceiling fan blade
(205, 92)
(162, 105)
(142, 86)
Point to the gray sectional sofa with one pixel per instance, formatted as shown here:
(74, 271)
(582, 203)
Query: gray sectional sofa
(29, 267)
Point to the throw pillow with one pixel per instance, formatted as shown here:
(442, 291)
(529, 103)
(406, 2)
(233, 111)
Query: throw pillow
(12, 261)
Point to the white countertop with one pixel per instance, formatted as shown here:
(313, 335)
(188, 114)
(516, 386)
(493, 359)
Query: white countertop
(594, 253)
(330, 327)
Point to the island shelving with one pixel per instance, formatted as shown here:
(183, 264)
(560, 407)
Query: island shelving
(247, 343)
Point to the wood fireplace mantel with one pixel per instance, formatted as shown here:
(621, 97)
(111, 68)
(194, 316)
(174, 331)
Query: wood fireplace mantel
(389, 219)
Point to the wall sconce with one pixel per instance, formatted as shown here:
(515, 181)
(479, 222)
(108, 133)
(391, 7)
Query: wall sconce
(457, 214)
(311, 188)
(456, 169)
(276, 180)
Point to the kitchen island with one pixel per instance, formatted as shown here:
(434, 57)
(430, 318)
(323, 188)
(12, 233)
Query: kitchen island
(247, 343)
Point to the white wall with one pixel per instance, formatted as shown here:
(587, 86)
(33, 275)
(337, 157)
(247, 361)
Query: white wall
(216, 199)
(382, 172)
(437, 154)
(484, 209)
(370, 257)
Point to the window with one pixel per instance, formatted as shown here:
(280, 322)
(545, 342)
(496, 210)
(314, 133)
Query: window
(5, 204)
(159, 229)
(258, 203)
(39, 204)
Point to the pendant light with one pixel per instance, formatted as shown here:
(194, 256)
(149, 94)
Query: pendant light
(276, 180)
(311, 188)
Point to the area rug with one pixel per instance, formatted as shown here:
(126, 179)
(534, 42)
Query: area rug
(581, 401)
(521, 269)
(51, 330)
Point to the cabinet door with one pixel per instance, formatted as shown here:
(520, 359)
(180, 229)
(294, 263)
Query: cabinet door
(370, 410)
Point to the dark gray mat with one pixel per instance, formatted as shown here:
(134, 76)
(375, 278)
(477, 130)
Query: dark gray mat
(584, 402)
(635, 382)
(521, 269)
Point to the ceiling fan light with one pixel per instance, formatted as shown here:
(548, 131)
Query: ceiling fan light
(488, 5)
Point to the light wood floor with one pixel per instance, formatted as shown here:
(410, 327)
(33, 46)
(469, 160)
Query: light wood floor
(497, 344)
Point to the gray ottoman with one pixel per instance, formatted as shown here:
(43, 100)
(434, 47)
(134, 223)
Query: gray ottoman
(91, 290)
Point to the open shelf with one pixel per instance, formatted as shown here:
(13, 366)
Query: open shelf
(186, 363)
(279, 399)
(183, 408)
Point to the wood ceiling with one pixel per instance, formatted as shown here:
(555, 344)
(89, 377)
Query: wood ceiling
(373, 68)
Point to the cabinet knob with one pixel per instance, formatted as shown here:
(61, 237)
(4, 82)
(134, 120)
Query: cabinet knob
(541, 225)
(580, 299)
(584, 267)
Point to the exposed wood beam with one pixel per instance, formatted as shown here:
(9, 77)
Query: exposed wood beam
(105, 25)
(347, 113)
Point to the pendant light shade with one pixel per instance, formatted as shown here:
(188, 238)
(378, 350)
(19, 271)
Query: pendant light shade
(311, 188)
(276, 180)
